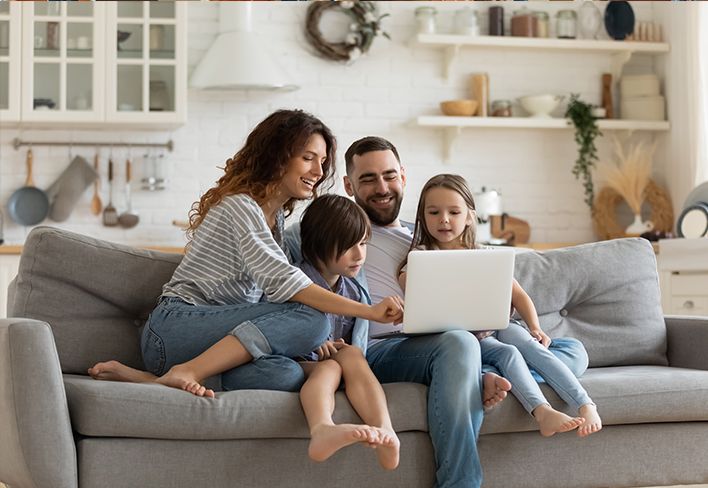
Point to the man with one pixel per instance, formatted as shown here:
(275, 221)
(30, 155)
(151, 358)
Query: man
(448, 363)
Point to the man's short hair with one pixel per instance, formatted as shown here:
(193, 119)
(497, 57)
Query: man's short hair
(366, 145)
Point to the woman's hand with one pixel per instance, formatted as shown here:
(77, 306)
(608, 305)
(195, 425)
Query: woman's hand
(389, 310)
(541, 337)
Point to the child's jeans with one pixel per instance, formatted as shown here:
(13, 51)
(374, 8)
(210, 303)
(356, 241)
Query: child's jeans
(513, 351)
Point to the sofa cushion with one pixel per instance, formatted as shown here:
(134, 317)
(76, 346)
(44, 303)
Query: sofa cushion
(605, 294)
(623, 395)
(114, 409)
(94, 294)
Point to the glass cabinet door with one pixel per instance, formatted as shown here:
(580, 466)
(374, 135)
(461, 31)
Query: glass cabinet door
(64, 50)
(147, 61)
(10, 61)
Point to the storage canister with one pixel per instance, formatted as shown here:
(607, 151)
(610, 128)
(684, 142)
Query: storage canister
(425, 18)
(566, 24)
(523, 23)
(541, 24)
(501, 108)
(496, 21)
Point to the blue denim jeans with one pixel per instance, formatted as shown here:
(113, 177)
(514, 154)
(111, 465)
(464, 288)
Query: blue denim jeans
(513, 351)
(450, 365)
(272, 333)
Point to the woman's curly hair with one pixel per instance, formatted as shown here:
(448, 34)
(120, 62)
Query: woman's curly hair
(259, 166)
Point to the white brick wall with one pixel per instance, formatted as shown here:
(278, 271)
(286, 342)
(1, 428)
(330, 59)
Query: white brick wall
(379, 94)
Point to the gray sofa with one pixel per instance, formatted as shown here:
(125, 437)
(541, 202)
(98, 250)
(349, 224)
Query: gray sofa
(78, 300)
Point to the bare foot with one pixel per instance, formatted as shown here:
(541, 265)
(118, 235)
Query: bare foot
(183, 379)
(117, 371)
(495, 389)
(592, 422)
(551, 421)
(328, 439)
(389, 448)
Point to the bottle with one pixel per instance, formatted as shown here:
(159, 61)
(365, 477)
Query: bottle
(425, 18)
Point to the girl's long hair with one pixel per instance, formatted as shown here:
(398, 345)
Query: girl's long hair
(259, 166)
(421, 234)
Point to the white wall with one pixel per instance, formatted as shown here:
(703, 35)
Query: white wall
(379, 94)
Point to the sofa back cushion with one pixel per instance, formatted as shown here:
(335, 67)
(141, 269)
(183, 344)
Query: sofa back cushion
(605, 294)
(94, 294)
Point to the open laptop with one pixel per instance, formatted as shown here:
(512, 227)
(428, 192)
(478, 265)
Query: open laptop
(456, 289)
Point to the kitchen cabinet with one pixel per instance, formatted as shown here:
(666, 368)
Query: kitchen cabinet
(97, 64)
(10, 61)
(683, 272)
(146, 78)
(63, 61)
(451, 44)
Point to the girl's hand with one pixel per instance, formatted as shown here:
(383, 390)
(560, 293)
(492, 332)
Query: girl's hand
(389, 310)
(326, 350)
(541, 337)
(339, 344)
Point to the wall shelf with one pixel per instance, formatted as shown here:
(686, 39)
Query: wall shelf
(452, 126)
(621, 51)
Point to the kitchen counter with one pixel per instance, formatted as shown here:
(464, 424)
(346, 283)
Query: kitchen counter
(536, 246)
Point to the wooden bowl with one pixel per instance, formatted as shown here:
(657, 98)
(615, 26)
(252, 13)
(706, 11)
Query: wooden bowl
(459, 107)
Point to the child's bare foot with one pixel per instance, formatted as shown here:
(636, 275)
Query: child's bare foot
(495, 389)
(592, 422)
(389, 448)
(117, 371)
(328, 439)
(551, 421)
(183, 379)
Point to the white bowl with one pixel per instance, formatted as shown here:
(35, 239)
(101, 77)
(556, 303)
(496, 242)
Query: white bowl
(540, 106)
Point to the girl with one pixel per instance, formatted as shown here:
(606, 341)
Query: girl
(235, 305)
(334, 231)
(446, 220)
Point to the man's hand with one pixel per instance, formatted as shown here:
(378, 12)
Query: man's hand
(388, 310)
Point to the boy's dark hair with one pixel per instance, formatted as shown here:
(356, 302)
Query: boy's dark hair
(330, 225)
(365, 145)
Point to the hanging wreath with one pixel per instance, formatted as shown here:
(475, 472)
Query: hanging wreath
(365, 25)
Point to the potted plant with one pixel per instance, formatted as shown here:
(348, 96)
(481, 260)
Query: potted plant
(586, 130)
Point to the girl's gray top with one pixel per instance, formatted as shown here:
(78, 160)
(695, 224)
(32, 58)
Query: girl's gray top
(234, 257)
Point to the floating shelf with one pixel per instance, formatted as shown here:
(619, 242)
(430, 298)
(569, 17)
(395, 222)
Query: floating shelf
(453, 126)
(621, 51)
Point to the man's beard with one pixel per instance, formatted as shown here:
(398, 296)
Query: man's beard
(381, 217)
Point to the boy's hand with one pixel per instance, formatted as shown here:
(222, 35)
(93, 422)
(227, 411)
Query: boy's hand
(326, 350)
(388, 310)
(541, 337)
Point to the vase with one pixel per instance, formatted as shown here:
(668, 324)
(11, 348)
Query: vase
(638, 227)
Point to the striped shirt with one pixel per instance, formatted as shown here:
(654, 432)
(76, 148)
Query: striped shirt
(235, 258)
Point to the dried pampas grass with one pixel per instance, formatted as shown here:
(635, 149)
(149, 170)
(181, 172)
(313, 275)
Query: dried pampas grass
(632, 173)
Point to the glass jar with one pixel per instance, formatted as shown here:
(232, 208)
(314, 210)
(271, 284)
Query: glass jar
(541, 24)
(523, 23)
(566, 24)
(466, 22)
(425, 18)
(501, 108)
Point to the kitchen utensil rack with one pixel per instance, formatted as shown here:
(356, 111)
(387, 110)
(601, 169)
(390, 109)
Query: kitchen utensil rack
(169, 145)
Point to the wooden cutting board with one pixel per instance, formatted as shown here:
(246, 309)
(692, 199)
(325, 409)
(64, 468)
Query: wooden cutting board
(513, 229)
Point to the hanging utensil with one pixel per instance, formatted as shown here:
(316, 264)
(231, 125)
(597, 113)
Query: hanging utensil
(96, 203)
(28, 205)
(128, 219)
(110, 215)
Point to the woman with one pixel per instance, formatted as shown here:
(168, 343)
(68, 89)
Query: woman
(235, 305)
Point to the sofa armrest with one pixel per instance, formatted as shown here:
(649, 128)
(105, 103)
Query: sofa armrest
(37, 443)
(687, 339)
